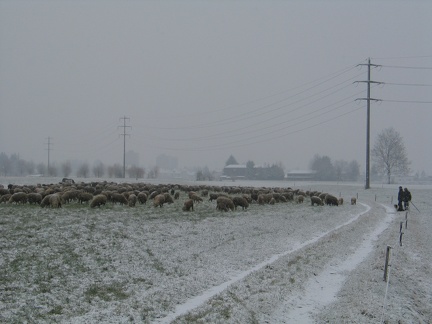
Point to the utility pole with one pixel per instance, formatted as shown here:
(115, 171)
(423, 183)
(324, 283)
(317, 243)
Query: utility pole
(124, 126)
(368, 99)
(49, 143)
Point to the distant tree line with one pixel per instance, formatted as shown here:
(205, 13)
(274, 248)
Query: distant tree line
(339, 170)
(13, 165)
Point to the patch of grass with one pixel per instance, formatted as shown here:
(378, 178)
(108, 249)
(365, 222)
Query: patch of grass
(57, 310)
(115, 291)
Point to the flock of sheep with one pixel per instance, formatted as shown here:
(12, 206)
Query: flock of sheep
(97, 194)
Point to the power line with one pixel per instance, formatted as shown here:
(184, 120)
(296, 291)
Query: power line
(409, 84)
(408, 67)
(408, 101)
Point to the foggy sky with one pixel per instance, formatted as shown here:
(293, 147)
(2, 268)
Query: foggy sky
(267, 81)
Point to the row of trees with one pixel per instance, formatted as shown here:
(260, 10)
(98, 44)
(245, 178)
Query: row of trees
(326, 170)
(15, 166)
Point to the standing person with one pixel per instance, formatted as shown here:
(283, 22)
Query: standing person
(407, 198)
(400, 199)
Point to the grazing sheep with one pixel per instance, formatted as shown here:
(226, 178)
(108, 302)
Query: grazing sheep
(300, 199)
(5, 198)
(159, 200)
(132, 200)
(45, 201)
(316, 200)
(261, 200)
(55, 201)
(142, 198)
(153, 194)
(84, 197)
(168, 198)
(340, 201)
(191, 193)
(195, 198)
(34, 198)
(98, 201)
(272, 201)
(188, 205)
(353, 201)
(240, 201)
(224, 203)
(213, 196)
(4, 191)
(18, 198)
(118, 198)
(331, 200)
(70, 195)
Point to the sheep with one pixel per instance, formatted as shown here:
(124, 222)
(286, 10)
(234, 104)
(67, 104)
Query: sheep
(4, 191)
(70, 195)
(191, 193)
(34, 198)
(142, 197)
(340, 201)
(272, 201)
(98, 200)
(224, 203)
(132, 200)
(159, 200)
(213, 196)
(195, 198)
(19, 197)
(84, 197)
(168, 198)
(300, 199)
(5, 198)
(316, 200)
(331, 200)
(261, 200)
(153, 194)
(176, 195)
(118, 198)
(45, 201)
(353, 201)
(240, 201)
(55, 201)
(188, 205)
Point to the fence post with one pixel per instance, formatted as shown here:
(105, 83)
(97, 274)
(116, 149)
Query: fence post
(406, 220)
(386, 262)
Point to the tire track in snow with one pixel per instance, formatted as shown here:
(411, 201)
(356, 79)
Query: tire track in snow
(322, 289)
(196, 301)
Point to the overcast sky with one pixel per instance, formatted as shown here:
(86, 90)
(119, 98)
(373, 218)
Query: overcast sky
(267, 81)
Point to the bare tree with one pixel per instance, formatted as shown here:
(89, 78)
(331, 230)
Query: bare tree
(99, 170)
(389, 153)
(136, 172)
(66, 168)
(83, 170)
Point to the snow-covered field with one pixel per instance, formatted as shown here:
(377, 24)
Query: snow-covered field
(282, 263)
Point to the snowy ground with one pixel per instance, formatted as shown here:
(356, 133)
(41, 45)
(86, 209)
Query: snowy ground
(286, 263)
